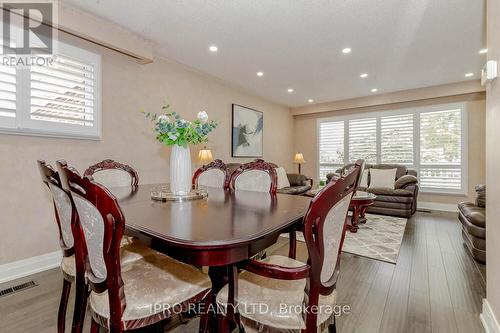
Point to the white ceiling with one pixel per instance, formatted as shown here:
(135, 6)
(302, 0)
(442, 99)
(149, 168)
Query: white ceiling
(401, 44)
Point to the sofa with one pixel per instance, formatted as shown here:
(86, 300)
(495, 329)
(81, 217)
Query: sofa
(299, 184)
(473, 219)
(399, 201)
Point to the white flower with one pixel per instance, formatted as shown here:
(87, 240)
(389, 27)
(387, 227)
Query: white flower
(163, 118)
(203, 116)
(172, 137)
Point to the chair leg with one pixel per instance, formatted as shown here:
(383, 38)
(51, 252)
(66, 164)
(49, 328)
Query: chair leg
(94, 327)
(61, 316)
(81, 296)
(332, 328)
(205, 315)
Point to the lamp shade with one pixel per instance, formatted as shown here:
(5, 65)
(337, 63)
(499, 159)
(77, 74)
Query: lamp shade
(205, 156)
(299, 158)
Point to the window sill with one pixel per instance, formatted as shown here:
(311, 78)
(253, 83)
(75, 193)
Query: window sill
(454, 194)
(49, 134)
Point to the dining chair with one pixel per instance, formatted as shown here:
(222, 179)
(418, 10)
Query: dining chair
(214, 174)
(72, 265)
(129, 296)
(284, 284)
(257, 175)
(64, 217)
(113, 174)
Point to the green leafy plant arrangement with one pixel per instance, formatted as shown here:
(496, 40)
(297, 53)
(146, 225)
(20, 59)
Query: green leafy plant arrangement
(171, 129)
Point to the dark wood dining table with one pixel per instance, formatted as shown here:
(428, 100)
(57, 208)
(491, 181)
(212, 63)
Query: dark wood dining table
(219, 231)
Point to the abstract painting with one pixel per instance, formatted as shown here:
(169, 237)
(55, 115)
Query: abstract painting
(247, 132)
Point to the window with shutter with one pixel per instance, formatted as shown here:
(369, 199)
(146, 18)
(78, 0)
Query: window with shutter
(396, 136)
(331, 147)
(441, 149)
(428, 139)
(60, 99)
(363, 140)
(8, 97)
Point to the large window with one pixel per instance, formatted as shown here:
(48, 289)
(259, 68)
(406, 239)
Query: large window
(429, 140)
(62, 99)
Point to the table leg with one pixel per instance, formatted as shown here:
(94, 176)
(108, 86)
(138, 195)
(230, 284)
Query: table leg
(353, 227)
(362, 213)
(218, 277)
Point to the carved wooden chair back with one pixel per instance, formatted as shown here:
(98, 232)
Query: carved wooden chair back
(101, 229)
(113, 174)
(257, 175)
(324, 232)
(214, 174)
(62, 206)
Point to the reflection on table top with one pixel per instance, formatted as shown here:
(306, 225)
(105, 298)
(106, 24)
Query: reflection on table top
(223, 218)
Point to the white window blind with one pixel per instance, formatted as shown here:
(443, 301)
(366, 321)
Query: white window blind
(8, 97)
(363, 140)
(428, 139)
(60, 99)
(441, 149)
(397, 139)
(331, 147)
(63, 92)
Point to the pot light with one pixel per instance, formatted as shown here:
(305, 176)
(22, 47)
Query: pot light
(374, 90)
(346, 50)
(469, 74)
(363, 75)
(310, 100)
(213, 48)
(260, 73)
(483, 51)
(290, 90)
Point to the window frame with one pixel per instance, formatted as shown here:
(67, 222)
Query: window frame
(22, 124)
(415, 111)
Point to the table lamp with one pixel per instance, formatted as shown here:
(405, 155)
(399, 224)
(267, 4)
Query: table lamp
(205, 156)
(299, 159)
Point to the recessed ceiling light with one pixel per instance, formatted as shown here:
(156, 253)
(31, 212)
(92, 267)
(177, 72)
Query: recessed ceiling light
(364, 75)
(310, 100)
(260, 73)
(290, 90)
(469, 74)
(213, 48)
(346, 50)
(374, 90)
(483, 51)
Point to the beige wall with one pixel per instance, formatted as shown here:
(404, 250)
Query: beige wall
(26, 218)
(493, 163)
(306, 139)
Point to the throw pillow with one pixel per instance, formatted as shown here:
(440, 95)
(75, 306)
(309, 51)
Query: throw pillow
(282, 178)
(382, 178)
(364, 178)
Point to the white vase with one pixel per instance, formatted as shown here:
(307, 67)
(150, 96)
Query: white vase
(180, 170)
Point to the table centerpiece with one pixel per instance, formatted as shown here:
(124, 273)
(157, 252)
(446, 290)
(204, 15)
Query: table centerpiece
(172, 130)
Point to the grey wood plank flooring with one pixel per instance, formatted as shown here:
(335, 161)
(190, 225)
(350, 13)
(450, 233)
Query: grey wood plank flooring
(434, 287)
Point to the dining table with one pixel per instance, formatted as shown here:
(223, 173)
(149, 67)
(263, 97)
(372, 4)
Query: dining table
(221, 230)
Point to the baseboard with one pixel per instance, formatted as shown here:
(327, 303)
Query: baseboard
(438, 206)
(490, 322)
(21, 268)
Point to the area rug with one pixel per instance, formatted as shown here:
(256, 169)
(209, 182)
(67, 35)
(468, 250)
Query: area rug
(379, 238)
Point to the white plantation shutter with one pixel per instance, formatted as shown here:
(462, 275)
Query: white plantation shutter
(63, 93)
(61, 98)
(8, 96)
(428, 139)
(363, 140)
(441, 149)
(331, 147)
(397, 139)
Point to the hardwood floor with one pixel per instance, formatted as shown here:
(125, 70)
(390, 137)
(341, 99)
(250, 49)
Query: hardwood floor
(434, 287)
